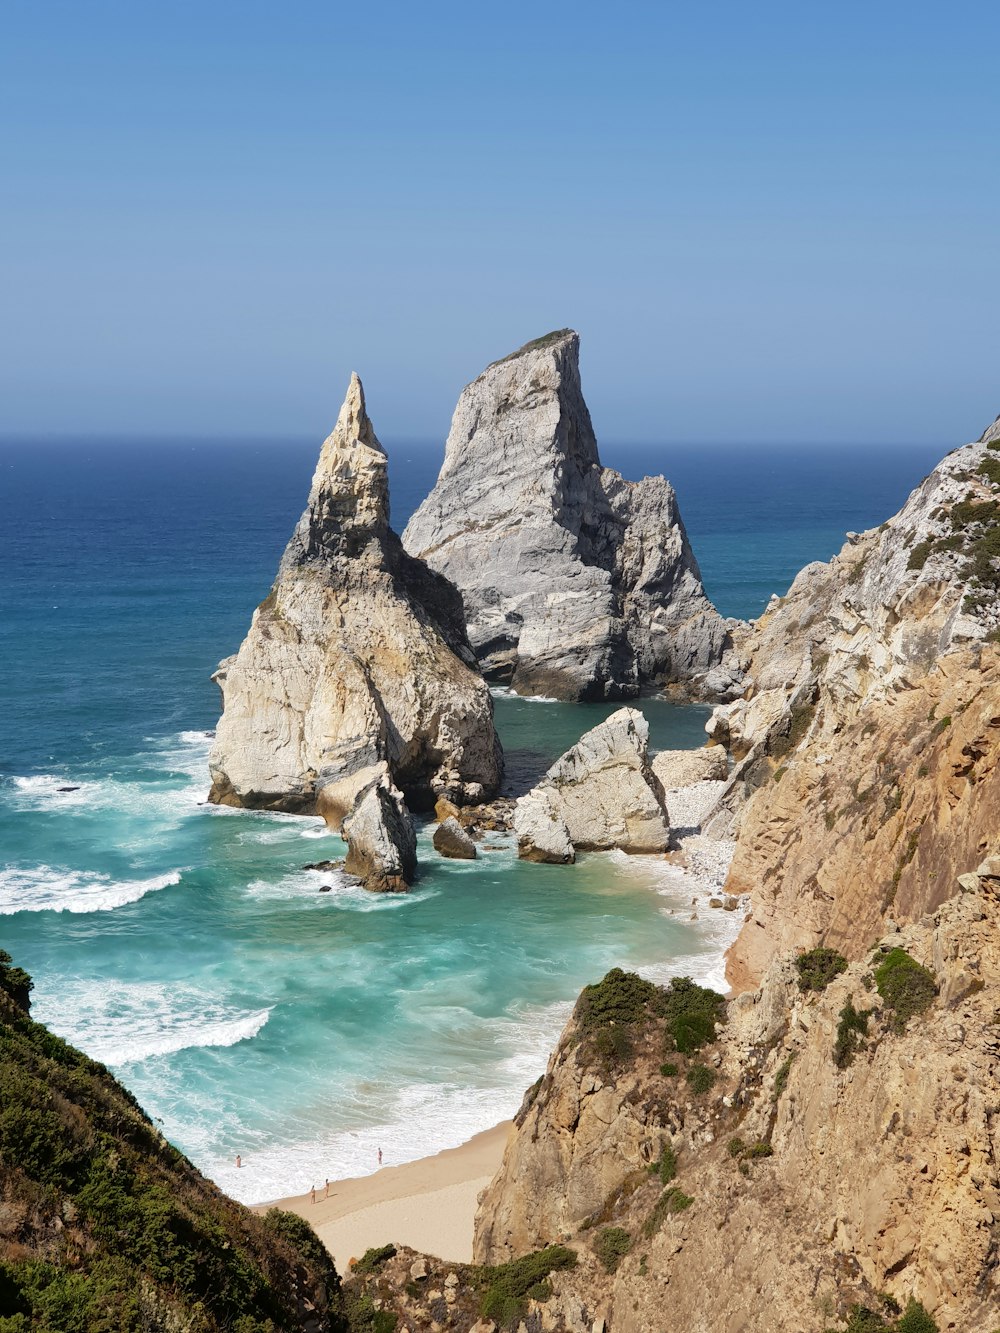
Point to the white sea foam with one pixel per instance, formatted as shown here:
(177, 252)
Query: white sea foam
(51, 889)
(505, 692)
(407, 1122)
(122, 1023)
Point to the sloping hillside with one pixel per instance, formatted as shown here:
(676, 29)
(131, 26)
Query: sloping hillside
(105, 1227)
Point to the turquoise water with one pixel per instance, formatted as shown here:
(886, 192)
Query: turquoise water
(186, 946)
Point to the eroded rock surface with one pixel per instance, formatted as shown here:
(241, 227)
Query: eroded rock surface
(381, 842)
(801, 1186)
(451, 840)
(871, 734)
(577, 584)
(600, 794)
(357, 661)
(681, 768)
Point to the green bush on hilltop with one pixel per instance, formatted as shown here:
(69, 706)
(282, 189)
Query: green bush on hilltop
(692, 1013)
(701, 1079)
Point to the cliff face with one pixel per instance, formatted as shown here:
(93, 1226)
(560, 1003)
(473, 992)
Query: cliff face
(869, 740)
(104, 1225)
(799, 1180)
(576, 583)
(356, 667)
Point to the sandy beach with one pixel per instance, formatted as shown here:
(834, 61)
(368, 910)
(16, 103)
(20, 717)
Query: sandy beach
(429, 1204)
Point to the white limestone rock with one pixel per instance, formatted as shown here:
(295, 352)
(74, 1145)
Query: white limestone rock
(577, 584)
(602, 792)
(683, 768)
(356, 660)
(381, 842)
(451, 840)
(541, 831)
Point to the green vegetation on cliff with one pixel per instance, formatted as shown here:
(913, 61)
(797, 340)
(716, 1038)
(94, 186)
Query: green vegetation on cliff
(107, 1228)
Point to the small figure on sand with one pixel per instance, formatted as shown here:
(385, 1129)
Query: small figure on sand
(326, 1189)
(380, 1156)
(313, 1193)
(239, 1160)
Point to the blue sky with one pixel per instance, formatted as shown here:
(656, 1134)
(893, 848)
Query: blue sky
(769, 222)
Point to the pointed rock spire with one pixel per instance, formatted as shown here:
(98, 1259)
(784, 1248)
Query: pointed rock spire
(349, 499)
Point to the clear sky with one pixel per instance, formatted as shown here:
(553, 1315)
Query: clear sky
(768, 221)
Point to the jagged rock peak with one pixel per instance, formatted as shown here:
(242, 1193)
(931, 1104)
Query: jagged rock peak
(357, 664)
(576, 583)
(349, 498)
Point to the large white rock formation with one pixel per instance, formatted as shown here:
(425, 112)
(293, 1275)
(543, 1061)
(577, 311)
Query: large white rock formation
(601, 794)
(576, 583)
(356, 667)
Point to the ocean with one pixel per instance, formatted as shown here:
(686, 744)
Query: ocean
(185, 946)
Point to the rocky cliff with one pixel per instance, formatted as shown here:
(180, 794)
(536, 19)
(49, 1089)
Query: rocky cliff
(868, 743)
(829, 1141)
(356, 669)
(577, 583)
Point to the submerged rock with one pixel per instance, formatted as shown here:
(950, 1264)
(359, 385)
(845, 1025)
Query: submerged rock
(451, 840)
(381, 843)
(356, 661)
(577, 583)
(601, 794)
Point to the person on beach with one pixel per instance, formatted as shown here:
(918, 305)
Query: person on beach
(326, 1189)
(239, 1160)
(313, 1193)
(380, 1156)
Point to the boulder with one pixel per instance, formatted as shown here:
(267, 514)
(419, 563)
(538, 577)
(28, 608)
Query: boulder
(576, 583)
(683, 768)
(381, 843)
(601, 794)
(357, 660)
(541, 831)
(451, 840)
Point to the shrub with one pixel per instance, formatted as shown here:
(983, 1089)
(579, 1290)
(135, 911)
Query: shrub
(671, 1201)
(906, 987)
(666, 1167)
(818, 967)
(611, 1246)
(759, 1149)
(781, 1077)
(701, 1079)
(990, 469)
(505, 1287)
(853, 1026)
(692, 1012)
(610, 1010)
(669, 1070)
(736, 1147)
(372, 1260)
(919, 554)
(15, 981)
(915, 1319)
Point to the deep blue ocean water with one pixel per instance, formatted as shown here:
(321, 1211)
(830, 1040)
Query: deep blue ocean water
(186, 946)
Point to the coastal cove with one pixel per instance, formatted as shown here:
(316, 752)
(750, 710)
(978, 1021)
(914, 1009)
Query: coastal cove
(185, 946)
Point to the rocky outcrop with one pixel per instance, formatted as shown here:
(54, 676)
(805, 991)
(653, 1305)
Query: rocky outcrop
(601, 794)
(381, 842)
(451, 840)
(800, 1181)
(870, 736)
(577, 583)
(356, 665)
(681, 768)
